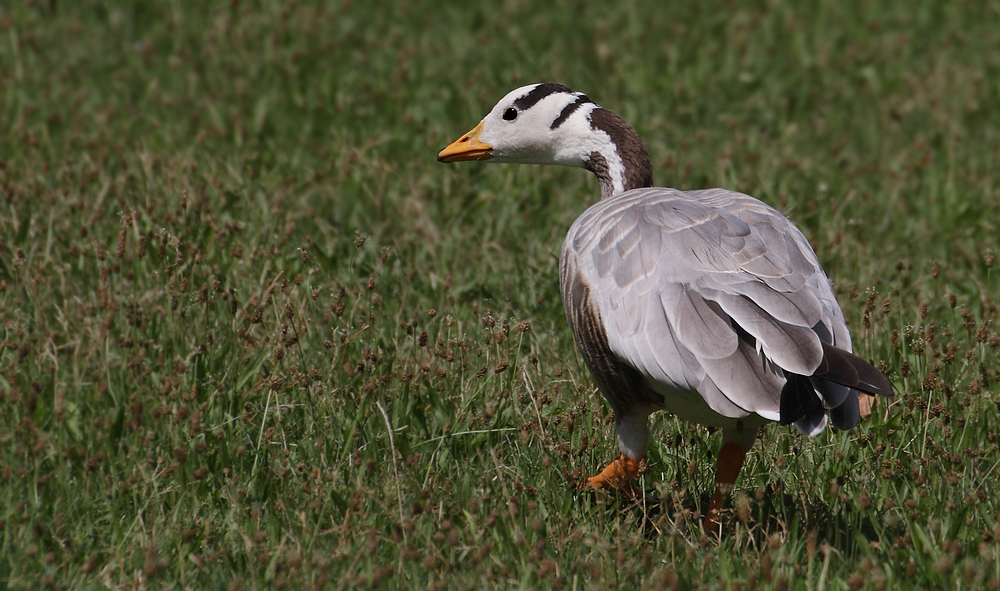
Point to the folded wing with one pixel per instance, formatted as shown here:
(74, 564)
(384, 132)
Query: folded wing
(715, 292)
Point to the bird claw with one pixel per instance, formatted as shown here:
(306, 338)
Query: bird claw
(618, 475)
(712, 525)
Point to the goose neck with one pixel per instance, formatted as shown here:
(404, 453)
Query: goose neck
(620, 161)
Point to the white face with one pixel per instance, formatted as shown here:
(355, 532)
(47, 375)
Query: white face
(520, 130)
(524, 135)
(551, 124)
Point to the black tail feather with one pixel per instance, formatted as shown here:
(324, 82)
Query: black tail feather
(849, 370)
(799, 397)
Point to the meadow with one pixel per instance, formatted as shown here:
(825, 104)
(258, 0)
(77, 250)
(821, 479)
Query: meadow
(254, 336)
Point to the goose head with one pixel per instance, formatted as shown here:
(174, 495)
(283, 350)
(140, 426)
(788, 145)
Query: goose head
(550, 124)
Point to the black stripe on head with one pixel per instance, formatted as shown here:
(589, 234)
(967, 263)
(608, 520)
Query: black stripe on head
(538, 93)
(569, 109)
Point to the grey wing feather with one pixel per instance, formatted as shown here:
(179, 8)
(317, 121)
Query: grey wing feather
(699, 325)
(711, 291)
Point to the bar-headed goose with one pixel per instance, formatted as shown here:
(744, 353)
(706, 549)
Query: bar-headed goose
(708, 304)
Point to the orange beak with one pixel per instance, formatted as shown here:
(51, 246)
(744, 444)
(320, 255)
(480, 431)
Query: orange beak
(467, 147)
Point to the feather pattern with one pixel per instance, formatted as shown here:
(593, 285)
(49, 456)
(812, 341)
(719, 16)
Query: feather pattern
(713, 292)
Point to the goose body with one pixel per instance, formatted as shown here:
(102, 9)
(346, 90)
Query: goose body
(708, 304)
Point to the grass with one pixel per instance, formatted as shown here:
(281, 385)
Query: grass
(254, 336)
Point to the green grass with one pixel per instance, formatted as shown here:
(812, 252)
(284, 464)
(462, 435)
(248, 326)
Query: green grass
(255, 336)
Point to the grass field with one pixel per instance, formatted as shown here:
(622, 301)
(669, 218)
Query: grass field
(254, 336)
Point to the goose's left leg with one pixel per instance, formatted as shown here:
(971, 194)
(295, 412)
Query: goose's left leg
(735, 445)
(633, 441)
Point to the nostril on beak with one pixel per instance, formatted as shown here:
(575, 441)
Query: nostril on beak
(464, 139)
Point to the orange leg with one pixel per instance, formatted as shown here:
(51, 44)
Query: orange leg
(618, 475)
(726, 470)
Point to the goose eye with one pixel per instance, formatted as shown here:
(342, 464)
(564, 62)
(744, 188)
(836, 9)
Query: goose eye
(510, 114)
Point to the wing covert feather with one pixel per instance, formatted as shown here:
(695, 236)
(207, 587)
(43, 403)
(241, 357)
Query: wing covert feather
(676, 275)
